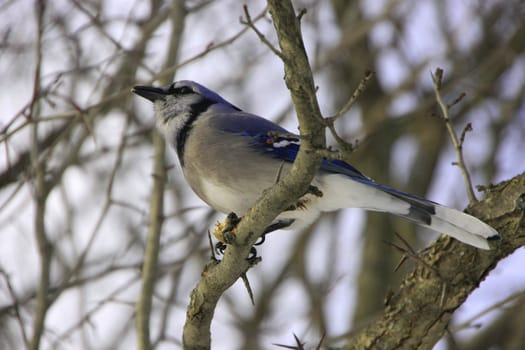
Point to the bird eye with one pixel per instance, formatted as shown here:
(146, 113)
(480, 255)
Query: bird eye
(183, 90)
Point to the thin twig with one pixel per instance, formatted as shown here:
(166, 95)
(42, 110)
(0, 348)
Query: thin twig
(299, 345)
(250, 24)
(212, 248)
(437, 79)
(330, 121)
(457, 100)
(357, 92)
(248, 287)
(409, 252)
(89, 314)
(16, 307)
(346, 146)
(468, 323)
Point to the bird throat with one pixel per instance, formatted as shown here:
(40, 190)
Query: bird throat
(196, 110)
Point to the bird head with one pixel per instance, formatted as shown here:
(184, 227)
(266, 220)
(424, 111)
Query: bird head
(180, 103)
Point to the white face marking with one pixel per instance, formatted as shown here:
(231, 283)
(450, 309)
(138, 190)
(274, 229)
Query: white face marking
(172, 113)
(170, 117)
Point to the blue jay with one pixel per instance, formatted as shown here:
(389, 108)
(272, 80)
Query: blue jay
(229, 157)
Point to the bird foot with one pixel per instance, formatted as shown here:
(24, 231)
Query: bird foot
(225, 233)
(220, 248)
(314, 190)
(302, 203)
(299, 205)
(224, 230)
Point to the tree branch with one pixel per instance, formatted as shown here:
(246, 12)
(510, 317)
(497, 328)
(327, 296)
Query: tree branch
(218, 276)
(417, 315)
(151, 255)
(40, 192)
(156, 209)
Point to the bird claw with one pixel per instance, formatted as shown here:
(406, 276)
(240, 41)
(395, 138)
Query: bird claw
(229, 237)
(314, 190)
(225, 230)
(225, 233)
(220, 248)
(252, 257)
(260, 240)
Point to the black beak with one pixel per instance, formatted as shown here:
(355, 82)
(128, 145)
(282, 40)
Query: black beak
(149, 92)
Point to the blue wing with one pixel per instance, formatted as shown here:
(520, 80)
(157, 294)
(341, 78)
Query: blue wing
(267, 137)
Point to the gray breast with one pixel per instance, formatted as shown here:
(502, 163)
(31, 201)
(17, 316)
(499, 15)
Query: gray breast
(224, 170)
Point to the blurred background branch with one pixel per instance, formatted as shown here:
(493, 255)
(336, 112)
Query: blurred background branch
(156, 205)
(93, 150)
